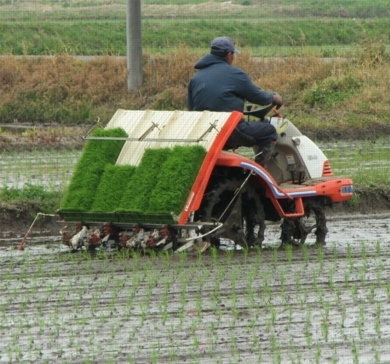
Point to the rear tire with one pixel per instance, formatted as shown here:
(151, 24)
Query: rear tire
(243, 220)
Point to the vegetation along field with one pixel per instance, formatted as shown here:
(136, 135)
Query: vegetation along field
(330, 61)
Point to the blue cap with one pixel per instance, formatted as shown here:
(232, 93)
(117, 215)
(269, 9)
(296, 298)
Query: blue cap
(223, 44)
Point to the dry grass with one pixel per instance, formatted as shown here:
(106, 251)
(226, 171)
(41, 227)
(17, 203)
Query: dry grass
(63, 89)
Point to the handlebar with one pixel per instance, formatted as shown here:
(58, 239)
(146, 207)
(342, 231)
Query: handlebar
(260, 112)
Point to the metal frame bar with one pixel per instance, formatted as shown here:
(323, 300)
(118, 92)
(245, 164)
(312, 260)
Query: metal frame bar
(144, 140)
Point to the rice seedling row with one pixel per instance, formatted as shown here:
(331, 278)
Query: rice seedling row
(51, 169)
(309, 304)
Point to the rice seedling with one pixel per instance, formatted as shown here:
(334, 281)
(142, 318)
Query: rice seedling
(305, 253)
(355, 351)
(214, 254)
(289, 252)
(265, 310)
(378, 247)
(275, 256)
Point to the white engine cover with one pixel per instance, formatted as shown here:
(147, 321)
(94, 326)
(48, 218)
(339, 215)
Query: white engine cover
(312, 156)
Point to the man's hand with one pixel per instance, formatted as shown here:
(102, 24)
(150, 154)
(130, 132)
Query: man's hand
(278, 101)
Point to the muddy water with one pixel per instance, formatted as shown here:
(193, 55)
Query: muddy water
(51, 168)
(55, 168)
(329, 304)
(312, 304)
(343, 229)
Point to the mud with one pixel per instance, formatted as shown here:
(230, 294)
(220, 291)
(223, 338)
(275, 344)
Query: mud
(17, 218)
(372, 131)
(283, 304)
(23, 137)
(311, 304)
(54, 168)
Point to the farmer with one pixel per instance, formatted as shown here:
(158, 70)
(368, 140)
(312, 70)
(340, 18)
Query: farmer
(219, 86)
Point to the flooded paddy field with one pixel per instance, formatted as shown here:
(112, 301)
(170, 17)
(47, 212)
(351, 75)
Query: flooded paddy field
(314, 304)
(309, 304)
(48, 168)
(54, 168)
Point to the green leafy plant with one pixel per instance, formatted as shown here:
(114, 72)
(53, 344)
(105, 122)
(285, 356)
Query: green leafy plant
(332, 91)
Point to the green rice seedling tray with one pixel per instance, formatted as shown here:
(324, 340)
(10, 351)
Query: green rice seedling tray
(139, 218)
(123, 217)
(87, 216)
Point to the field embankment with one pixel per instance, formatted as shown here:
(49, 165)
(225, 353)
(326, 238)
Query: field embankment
(318, 95)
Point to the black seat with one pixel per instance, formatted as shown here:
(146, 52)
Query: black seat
(239, 139)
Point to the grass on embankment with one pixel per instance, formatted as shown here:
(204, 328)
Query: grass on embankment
(317, 94)
(23, 10)
(108, 37)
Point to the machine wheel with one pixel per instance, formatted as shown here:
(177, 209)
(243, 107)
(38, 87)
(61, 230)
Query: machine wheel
(240, 211)
(295, 231)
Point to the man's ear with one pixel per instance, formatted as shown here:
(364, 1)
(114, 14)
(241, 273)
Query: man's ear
(229, 57)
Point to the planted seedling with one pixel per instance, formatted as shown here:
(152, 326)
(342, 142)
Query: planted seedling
(289, 252)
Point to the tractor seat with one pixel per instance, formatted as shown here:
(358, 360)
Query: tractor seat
(239, 139)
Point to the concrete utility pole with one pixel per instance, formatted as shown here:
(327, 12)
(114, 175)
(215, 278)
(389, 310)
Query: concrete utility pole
(134, 45)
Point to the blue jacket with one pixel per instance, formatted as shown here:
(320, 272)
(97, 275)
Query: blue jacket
(219, 86)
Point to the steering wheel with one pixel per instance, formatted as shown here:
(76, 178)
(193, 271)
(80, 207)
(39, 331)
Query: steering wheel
(260, 112)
